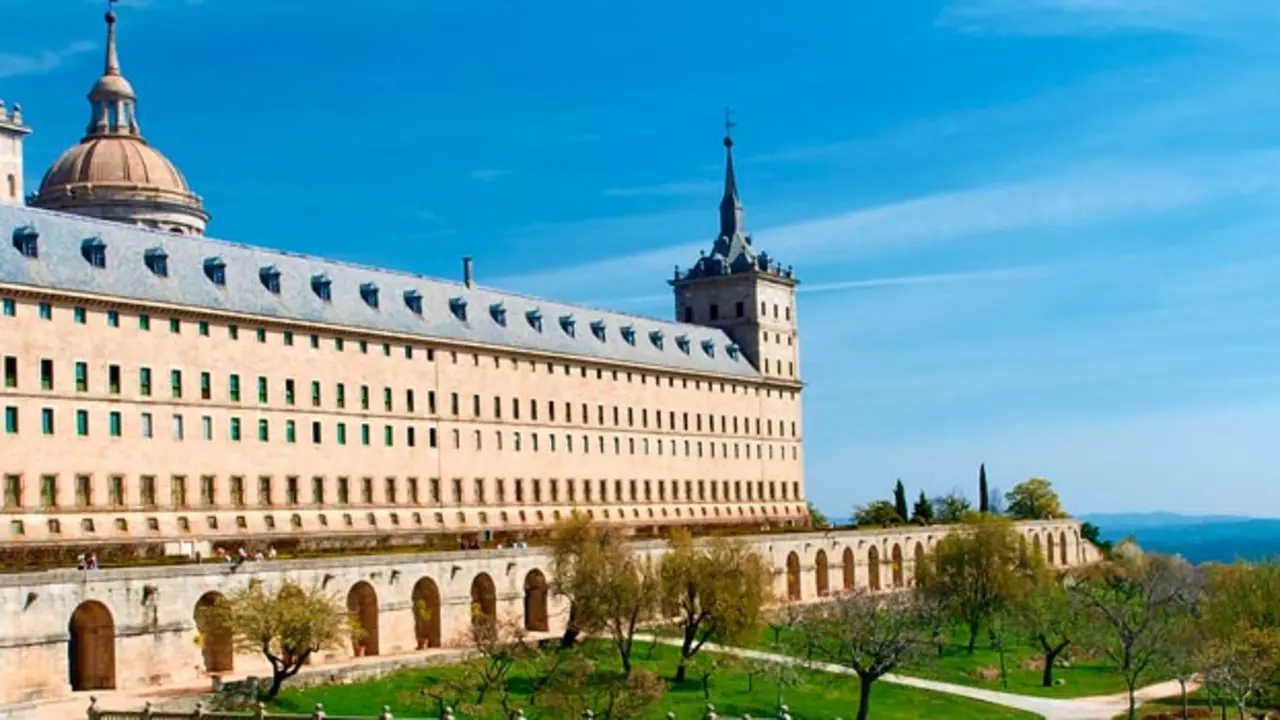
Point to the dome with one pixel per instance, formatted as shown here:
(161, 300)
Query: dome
(123, 162)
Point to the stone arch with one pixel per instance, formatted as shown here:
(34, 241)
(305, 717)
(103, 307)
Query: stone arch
(535, 602)
(484, 598)
(1051, 548)
(873, 568)
(917, 560)
(1035, 545)
(362, 605)
(821, 573)
(215, 636)
(426, 613)
(91, 648)
(899, 578)
(1062, 548)
(848, 568)
(793, 577)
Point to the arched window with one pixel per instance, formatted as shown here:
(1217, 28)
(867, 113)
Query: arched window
(11, 183)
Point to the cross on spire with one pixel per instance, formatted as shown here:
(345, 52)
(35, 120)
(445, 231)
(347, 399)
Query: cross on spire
(729, 125)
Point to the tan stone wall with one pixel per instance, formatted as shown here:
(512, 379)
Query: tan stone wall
(741, 446)
(153, 609)
(11, 189)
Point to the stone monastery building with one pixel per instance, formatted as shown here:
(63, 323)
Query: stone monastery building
(161, 387)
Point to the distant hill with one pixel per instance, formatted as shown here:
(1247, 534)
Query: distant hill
(1197, 538)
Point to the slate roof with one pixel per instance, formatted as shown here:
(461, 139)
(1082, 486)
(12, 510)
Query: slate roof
(491, 317)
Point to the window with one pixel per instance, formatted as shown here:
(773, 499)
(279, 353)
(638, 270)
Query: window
(208, 489)
(317, 491)
(12, 492)
(386, 399)
(290, 432)
(315, 432)
(175, 326)
(237, 491)
(10, 307)
(233, 332)
(342, 433)
(344, 491)
(82, 377)
(144, 323)
(261, 335)
(315, 393)
(206, 427)
(145, 425)
(113, 319)
(233, 388)
(364, 397)
(78, 314)
(175, 383)
(178, 491)
(264, 490)
(264, 430)
(46, 374)
(235, 429)
(46, 421)
(115, 491)
(341, 396)
(291, 490)
(387, 437)
(364, 433)
(82, 423)
(206, 386)
(288, 391)
(408, 401)
(262, 390)
(202, 328)
(144, 382)
(10, 371)
(46, 311)
(49, 491)
(11, 420)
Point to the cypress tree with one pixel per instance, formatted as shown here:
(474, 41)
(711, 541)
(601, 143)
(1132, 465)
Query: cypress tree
(984, 499)
(900, 501)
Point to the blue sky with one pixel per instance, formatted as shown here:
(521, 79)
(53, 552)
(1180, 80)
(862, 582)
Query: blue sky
(1043, 234)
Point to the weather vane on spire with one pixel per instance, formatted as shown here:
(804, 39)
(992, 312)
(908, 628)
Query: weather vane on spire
(729, 125)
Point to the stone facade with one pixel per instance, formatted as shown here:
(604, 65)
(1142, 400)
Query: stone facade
(12, 131)
(131, 628)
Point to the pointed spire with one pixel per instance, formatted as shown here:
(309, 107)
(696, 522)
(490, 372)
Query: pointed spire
(112, 99)
(731, 214)
(113, 59)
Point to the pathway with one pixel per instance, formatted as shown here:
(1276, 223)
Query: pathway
(1087, 708)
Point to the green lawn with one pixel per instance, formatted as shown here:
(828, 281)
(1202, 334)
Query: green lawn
(1197, 703)
(821, 696)
(1082, 679)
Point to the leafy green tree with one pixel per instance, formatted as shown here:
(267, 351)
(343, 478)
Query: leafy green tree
(719, 589)
(922, 513)
(951, 508)
(1093, 534)
(1034, 499)
(877, 513)
(817, 518)
(1050, 615)
(584, 557)
(977, 571)
(984, 496)
(900, 501)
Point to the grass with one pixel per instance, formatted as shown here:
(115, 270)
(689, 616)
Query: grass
(1196, 701)
(820, 696)
(1083, 679)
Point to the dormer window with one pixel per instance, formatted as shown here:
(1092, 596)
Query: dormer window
(322, 287)
(568, 324)
(597, 329)
(732, 350)
(534, 317)
(94, 251)
(458, 306)
(270, 278)
(499, 313)
(369, 293)
(682, 342)
(157, 261)
(628, 334)
(709, 347)
(27, 241)
(413, 301)
(216, 271)
(656, 337)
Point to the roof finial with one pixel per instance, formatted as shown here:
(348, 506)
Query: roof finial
(731, 221)
(113, 60)
(729, 124)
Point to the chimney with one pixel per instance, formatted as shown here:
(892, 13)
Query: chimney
(468, 273)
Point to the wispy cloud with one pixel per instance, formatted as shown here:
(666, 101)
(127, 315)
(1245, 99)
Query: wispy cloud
(488, 175)
(667, 190)
(13, 65)
(1234, 19)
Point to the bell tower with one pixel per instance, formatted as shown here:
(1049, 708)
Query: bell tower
(12, 132)
(745, 293)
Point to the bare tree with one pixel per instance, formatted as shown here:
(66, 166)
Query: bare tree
(873, 634)
(1133, 603)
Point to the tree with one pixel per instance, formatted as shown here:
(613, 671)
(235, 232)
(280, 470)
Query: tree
(984, 496)
(817, 518)
(900, 502)
(951, 508)
(1093, 534)
(581, 557)
(1132, 603)
(621, 603)
(718, 589)
(579, 686)
(977, 570)
(1034, 499)
(1050, 615)
(874, 634)
(287, 625)
(1244, 665)
(922, 513)
(877, 513)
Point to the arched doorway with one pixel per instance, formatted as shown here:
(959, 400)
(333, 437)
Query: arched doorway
(535, 602)
(873, 568)
(793, 577)
(215, 635)
(898, 576)
(848, 568)
(362, 604)
(426, 613)
(917, 561)
(1051, 547)
(484, 598)
(821, 573)
(91, 648)
(1062, 547)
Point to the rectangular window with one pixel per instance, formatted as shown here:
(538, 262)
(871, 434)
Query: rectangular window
(291, 490)
(315, 432)
(147, 490)
(113, 379)
(202, 327)
(10, 307)
(82, 423)
(366, 491)
(113, 423)
(12, 491)
(364, 433)
(262, 390)
(145, 425)
(49, 491)
(387, 435)
(386, 399)
(315, 393)
(79, 314)
(390, 491)
(342, 433)
(431, 402)
(237, 491)
(264, 430)
(233, 388)
(113, 319)
(344, 491)
(233, 332)
(235, 429)
(475, 406)
(10, 371)
(364, 397)
(206, 386)
(46, 421)
(290, 432)
(264, 490)
(261, 334)
(410, 437)
(453, 404)
(144, 323)
(175, 383)
(317, 491)
(175, 326)
(115, 491)
(46, 374)
(178, 491)
(208, 490)
(179, 430)
(288, 337)
(144, 382)
(82, 377)
(46, 311)
(11, 420)
(288, 391)
(206, 427)
(408, 401)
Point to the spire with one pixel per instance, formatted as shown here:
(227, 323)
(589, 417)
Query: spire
(731, 215)
(112, 99)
